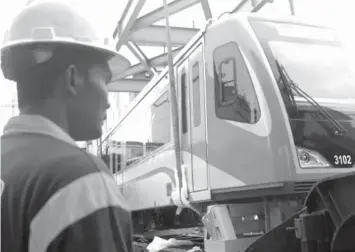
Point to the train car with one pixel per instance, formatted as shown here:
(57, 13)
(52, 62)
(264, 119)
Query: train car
(266, 108)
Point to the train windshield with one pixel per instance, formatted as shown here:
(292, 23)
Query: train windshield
(313, 57)
(315, 75)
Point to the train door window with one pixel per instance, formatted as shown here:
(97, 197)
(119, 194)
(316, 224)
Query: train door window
(183, 103)
(196, 93)
(235, 94)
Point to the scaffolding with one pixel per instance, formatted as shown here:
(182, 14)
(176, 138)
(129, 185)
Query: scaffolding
(135, 31)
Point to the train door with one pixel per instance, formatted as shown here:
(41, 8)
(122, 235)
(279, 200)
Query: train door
(184, 115)
(193, 129)
(197, 122)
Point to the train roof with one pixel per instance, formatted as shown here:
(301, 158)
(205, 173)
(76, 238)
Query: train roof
(246, 16)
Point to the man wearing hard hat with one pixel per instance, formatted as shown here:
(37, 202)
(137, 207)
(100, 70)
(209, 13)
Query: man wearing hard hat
(56, 197)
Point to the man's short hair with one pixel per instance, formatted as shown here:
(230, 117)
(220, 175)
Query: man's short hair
(37, 83)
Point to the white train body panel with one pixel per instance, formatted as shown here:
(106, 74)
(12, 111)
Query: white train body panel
(238, 140)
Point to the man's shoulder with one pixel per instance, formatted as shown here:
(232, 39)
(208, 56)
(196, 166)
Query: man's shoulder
(42, 162)
(80, 159)
(92, 202)
(53, 163)
(82, 173)
(97, 162)
(47, 160)
(74, 164)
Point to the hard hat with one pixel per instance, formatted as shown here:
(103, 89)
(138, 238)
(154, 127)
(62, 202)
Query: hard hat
(47, 24)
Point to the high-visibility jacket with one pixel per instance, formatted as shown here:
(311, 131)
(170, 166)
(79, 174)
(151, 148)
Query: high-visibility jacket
(56, 197)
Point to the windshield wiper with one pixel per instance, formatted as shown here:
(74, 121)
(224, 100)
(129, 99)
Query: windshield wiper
(340, 130)
(287, 88)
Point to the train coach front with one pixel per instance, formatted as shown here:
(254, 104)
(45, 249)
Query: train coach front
(314, 74)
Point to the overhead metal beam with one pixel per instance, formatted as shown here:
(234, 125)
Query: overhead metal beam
(261, 5)
(127, 85)
(141, 56)
(252, 5)
(240, 6)
(292, 6)
(29, 2)
(127, 21)
(138, 53)
(155, 35)
(153, 62)
(158, 14)
(124, 13)
(206, 9)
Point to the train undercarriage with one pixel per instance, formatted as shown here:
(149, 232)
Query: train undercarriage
(224, 226)
(321, 221)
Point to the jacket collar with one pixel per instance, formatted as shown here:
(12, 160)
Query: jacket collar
(38, 125)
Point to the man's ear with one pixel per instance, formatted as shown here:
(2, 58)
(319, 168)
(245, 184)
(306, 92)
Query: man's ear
(73, 81)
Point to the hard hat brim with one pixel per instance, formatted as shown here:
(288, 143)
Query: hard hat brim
(118, 62)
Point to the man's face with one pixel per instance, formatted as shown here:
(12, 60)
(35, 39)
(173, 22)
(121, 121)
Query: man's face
(87, 112)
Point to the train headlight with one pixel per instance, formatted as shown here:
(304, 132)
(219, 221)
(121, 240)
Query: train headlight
(311, 159)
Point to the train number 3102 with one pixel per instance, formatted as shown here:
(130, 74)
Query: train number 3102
(342, 160)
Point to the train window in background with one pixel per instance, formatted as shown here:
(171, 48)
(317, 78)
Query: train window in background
(112, 155)
(105, 153)
(115, 157)
(196, 93)
(183, 103)
(134, 151)
(160, 121)
(236, 99)
(135, 137)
